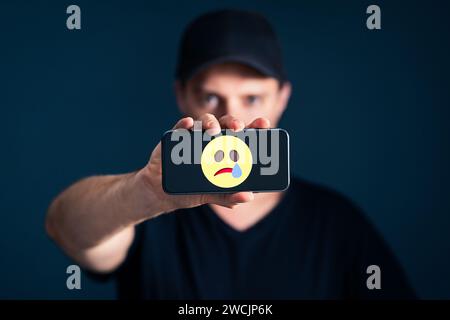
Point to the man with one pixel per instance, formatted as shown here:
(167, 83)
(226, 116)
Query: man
(307, 242)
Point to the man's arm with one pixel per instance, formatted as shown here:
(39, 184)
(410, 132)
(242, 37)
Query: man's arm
(93, 220)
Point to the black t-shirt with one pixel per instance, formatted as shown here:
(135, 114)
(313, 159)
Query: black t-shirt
(315, 244)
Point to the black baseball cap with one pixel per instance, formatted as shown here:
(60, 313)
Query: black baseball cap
(230, 36)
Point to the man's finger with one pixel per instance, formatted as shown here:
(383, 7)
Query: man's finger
(232, 123)
(228, 200)
(260, 123)
(210, 124)
(184, 123)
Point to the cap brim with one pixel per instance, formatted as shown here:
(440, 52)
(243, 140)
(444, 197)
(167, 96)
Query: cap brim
(245, 60)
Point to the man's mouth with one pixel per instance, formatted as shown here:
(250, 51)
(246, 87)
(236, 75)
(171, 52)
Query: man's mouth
(223, 170)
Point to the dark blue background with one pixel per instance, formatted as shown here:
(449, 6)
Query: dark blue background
(368, 116)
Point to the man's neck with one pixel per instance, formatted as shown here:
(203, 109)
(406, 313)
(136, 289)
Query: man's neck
(245, 215)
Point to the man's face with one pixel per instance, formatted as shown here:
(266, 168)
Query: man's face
(233, 89)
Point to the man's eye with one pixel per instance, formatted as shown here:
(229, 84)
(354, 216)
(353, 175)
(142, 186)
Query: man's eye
(252, 100)
(211, 100)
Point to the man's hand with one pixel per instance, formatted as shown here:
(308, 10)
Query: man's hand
(152, 173)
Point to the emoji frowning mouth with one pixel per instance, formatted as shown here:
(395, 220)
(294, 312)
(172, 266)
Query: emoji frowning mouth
(223, 170)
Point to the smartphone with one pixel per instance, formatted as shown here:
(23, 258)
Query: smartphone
(195, 162)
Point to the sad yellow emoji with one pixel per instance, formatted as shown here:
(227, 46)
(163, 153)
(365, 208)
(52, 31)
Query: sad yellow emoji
(226, 161)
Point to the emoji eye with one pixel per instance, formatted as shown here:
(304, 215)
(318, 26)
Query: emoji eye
(234, 155)
(218, 156)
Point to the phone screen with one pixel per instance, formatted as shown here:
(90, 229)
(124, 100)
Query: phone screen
(250, 160)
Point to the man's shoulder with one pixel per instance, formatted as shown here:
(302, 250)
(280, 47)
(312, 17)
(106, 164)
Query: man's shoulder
(322, 201)
(318, 193)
